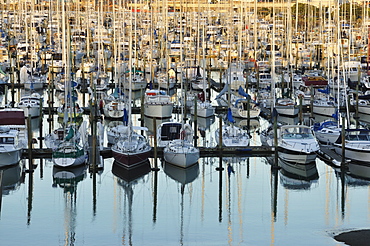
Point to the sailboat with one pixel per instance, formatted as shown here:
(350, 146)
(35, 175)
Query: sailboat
(232, 136)
(114, 105)
(180, 151)
(204, 107)
(71, 151)
(132, 148)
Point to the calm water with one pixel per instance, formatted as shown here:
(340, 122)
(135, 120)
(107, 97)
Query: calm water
(253, 205)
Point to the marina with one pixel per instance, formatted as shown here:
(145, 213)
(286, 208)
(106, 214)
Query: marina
(184, 122)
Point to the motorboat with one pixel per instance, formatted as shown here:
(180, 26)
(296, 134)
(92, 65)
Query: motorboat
(13, 136)
(286, 107)
(356, 145)
(203, 107)
(31, 105)
(295, 143)
(327, 132)
(324, 106)
(157, 104)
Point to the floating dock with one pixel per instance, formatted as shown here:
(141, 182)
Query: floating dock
(204, 152)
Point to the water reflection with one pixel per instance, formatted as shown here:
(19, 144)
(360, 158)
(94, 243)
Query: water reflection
(11, 178)
(288, 120)
(127, 179)
(150, 122)
(183, 176)
(67, 179)
(299, 171)
(359, 170)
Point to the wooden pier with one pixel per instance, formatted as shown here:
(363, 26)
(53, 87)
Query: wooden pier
(328, 154)
(204, 152)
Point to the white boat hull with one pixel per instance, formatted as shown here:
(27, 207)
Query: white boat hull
(113, 113)
(182, 155)
(355, 152)
(203, 110)
(10, 157)
(31, 111)
(253, 113)
(296, 157)
(158, 110)
(364, 109)
(324, 110)
(287, 110)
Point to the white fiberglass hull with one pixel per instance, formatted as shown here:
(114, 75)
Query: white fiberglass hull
(158, 110)
(240, 113)
(296, 156)
(287, 110)
(181, 154)
(31, 111)
(10, 156)
(324, 110)
(203, 110)
(364, 109)
(355, 151)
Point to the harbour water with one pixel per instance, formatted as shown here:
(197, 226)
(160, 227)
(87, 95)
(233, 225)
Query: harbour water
(247, 203)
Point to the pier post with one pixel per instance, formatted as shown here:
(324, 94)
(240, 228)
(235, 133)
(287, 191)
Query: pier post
(220, 168)
(356, 109)
(13, 91)
(155, 145)
(196, 122)
(50, 100)
(29, 136)
(142, 111)
(276, 156)
(41, 135)
(311, 103)
(300, 109)
(220, 133)
(343, 135)
(249, 113)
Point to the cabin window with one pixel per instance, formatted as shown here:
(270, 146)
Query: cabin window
(7, 140)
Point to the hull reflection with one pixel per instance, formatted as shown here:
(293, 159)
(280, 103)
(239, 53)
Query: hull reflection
(11, 178)
(181, 175)
(300, 171)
